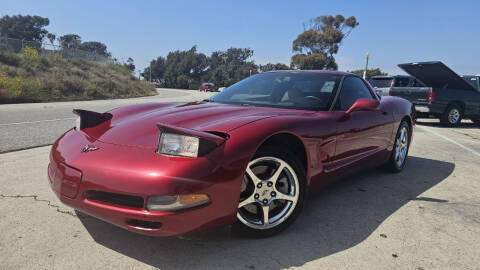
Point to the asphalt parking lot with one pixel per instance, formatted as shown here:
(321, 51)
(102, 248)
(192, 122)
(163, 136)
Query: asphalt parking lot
(426, 217)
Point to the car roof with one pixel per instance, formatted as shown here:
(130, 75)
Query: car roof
(334, 72)
(390, 76)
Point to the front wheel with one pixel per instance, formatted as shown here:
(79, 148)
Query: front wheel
(272, 194)
(400, 148)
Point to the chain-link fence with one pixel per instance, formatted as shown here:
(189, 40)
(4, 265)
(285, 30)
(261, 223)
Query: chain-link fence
(46, 50)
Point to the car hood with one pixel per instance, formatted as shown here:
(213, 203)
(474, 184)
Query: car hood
(436, 74)
(137, 125)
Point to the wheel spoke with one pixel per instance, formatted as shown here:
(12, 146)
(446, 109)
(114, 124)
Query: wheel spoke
(277, 173)
(252, 176)
(265, 214)
(247, 201)
(282, 196)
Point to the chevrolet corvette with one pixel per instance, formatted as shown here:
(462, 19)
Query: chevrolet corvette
(247, 157)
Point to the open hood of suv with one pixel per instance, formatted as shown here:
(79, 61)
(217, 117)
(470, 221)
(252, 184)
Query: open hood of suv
(436, 74)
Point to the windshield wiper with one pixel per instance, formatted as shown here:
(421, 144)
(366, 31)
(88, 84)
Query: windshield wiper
(208, 100)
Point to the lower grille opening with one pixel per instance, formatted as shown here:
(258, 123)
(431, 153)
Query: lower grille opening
(144, 224)
(115, 198)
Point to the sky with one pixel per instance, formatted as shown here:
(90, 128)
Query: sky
(393, 32)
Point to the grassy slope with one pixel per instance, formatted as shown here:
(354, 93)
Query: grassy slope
(26, 77)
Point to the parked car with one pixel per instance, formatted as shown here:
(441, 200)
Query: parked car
(446, 95)
(247, 156)
(208, 87)
(383, 84)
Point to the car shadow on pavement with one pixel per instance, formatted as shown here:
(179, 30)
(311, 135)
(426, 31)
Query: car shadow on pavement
(336, 219)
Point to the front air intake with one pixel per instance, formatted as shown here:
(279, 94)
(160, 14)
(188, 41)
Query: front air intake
(115, 198)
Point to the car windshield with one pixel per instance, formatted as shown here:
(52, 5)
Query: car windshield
(294, 90)
(381, 82)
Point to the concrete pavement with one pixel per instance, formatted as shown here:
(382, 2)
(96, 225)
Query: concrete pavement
(427, 217)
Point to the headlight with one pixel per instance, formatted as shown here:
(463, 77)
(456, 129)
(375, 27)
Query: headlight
(77, 123)
(178, 145)
(176, 202)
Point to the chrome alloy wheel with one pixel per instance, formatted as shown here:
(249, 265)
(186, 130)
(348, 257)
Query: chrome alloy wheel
(453, 116)
(269, 194)
(401, 147)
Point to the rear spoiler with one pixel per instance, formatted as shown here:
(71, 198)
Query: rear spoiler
(214, 138)
(90, 119)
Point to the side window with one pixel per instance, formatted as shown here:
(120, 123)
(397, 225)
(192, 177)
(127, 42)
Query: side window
(401, 82)
(417, 83)
(353, 88)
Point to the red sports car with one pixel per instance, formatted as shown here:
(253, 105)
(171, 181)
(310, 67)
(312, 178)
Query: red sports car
(245, 157)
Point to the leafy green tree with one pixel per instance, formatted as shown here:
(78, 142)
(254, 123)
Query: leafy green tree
(51, 37)
(230, 66)
(370, 72)
(28, 28)
(70, 41)
(95, 47)
(270, 67)
(184, 69)
(129, 64)
(188, 69)
(158, 69)
(316, 46)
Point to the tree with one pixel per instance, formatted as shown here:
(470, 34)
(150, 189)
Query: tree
(51, 37)
(184, 69)
(230, 66)
(188, 69)
(28, 28)
(370, 72)
(70, 41)
(270, 67)
(316, 46)
(129, 64)
(95, 47)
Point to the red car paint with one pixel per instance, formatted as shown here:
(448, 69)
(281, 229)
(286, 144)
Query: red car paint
(126, 163)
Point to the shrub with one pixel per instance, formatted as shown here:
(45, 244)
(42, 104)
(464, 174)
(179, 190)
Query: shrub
(30, 53)
(10, 59)
(20, 89)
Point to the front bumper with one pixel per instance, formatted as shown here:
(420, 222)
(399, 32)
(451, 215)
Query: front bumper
(139, 173)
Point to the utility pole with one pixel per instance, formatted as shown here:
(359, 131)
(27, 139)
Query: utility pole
(366, 67)
(150, 71)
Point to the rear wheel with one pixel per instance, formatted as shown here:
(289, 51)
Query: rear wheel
(400, 148)
(272, 194)
(452, 116)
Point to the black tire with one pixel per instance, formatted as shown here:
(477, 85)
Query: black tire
(452, 116)
(393, 164)
(240, 228)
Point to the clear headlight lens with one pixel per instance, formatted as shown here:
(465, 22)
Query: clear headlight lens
(77, 123)
(176, 202)
(178, 145)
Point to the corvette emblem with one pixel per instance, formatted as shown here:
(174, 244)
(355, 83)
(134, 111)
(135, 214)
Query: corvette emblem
(89, 148)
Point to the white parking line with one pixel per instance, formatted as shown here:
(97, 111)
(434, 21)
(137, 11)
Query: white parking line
(451, 140)
(39, 121)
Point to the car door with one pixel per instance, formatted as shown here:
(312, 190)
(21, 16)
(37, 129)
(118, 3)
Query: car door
(362, 133)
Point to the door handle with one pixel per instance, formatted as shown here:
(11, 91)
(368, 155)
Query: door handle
(384, 113)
